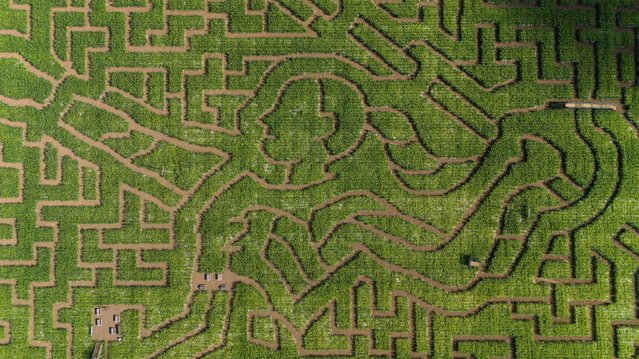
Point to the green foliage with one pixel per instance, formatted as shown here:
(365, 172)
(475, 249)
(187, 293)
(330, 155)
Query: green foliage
(182, 167)
(371, 178)
(16, 82)
(278, 21)
(94, 122)
(131, 82)
(128, 146)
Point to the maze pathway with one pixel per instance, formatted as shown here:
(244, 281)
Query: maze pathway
(346, 178)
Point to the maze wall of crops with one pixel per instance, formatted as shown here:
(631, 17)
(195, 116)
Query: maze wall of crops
(388, 178)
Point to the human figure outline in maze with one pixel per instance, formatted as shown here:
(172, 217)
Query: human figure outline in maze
(282, 178)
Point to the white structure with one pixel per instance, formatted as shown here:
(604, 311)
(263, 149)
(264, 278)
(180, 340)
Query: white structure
(591, 105)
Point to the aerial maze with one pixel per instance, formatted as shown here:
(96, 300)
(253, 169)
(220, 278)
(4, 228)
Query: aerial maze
(283, 178)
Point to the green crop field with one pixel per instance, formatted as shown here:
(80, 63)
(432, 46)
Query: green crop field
(302, 178)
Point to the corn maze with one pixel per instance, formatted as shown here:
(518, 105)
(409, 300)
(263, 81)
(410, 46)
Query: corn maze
(338, 178)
